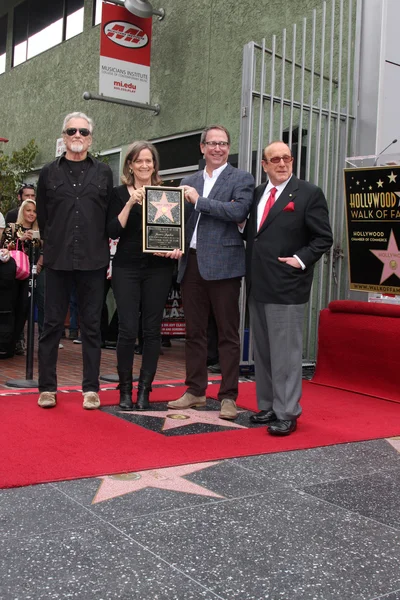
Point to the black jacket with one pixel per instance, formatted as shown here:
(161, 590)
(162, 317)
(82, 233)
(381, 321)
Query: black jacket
(72, 216)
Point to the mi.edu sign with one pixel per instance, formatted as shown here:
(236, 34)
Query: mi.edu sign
(125, 48)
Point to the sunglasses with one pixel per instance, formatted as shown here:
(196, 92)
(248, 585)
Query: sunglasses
(72, 131)
(277, 159)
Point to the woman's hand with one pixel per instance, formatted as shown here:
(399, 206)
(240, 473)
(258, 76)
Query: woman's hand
(136, 197)
(27, 235)
(174, 254)
(4, 255)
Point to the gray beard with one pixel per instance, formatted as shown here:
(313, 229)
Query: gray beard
(77, 147)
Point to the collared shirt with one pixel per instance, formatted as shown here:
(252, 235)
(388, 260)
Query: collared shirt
(72, 208)
(208, 186)
(263, 201)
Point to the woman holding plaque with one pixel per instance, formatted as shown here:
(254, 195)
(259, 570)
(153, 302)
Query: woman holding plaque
(139, 280)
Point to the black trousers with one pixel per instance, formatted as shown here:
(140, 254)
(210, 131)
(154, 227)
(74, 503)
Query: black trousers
(140, 288)
(89, 289)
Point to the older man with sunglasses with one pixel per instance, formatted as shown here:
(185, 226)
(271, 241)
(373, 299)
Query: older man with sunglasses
(73, 194)
(287, 233)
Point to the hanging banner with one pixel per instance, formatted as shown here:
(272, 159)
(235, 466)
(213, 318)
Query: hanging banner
(125, 48)
(373, 228)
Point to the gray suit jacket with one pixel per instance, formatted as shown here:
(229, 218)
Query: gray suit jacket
(220, 248)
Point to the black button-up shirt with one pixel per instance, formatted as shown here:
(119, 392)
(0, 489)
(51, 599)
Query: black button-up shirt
(72, 214)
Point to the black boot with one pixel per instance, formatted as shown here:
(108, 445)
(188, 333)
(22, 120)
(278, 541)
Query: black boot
(125, 390)
(144, 389)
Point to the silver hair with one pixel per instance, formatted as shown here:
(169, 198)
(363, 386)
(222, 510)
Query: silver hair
(78, 115)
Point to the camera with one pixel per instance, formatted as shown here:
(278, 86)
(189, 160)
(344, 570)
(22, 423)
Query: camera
(36, 234)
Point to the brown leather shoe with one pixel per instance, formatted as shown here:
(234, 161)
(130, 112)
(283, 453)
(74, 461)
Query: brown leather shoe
(47, 400)
(228, 410)
(187, 401)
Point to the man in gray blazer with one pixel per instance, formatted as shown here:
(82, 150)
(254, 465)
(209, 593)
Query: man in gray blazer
(218, 198)
(287, 233)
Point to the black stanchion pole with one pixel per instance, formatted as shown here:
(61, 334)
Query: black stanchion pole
(29, 382)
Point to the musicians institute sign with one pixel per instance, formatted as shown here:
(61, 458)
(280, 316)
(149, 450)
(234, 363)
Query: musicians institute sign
(373, 228)
(125, 48)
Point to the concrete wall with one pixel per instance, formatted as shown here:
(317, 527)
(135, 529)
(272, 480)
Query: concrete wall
(195, 77)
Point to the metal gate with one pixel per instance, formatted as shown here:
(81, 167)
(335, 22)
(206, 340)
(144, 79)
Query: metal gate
(303, 90)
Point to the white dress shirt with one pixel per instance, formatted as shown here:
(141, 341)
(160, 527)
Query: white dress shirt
(208, 186)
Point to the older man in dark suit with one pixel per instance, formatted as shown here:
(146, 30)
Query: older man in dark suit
(218, 198)
(287, 233)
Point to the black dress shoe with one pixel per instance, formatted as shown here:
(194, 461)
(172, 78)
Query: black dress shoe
(282, 427)
(263, 417)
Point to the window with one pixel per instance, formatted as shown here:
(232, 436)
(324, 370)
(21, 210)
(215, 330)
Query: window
(97, 9)
(41, 25)
(3, 43)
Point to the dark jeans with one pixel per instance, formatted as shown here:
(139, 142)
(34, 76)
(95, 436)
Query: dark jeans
(149, 287)
(222, 297)
(89, 291)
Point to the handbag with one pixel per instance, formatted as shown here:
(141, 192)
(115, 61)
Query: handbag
(23, 268)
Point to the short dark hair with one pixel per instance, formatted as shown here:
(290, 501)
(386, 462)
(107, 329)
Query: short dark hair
(25, 186)
(203, 137)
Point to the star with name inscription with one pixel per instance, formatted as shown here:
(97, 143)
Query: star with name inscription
(164, 208)
(390, 258)
(188, 416)
(170, 478)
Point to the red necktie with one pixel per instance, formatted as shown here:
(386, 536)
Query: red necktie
(268, 205)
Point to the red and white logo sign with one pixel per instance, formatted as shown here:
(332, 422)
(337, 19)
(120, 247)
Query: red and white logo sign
(125, 49)
(125, 34)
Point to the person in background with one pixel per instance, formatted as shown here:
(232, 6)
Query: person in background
(287, 233)
(73, 195)
(140, 281)
(211, 269)
(25, 192)
(23, 235)
(2, 225)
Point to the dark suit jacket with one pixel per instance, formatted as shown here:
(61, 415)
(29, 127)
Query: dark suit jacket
(304, 231)
(220, 247)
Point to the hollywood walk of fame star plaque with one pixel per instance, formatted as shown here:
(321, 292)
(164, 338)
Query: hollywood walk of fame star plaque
(372, 196)
(163, 219)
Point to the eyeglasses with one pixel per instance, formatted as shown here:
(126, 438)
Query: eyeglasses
(72, 131)
(215, 144)
(29, 186)
(277, 159)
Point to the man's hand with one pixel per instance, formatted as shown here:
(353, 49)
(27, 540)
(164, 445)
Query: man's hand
(191, 194)
(39, 264)
(290, 260)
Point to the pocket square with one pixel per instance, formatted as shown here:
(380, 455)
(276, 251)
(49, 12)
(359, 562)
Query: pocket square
(289, 207)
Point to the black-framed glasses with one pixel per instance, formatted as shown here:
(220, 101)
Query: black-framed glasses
(82, 130)
(28, 186)
(215, 144)
(277, 159)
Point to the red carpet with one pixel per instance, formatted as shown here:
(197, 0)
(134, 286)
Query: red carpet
(67, 442)
(359, 348)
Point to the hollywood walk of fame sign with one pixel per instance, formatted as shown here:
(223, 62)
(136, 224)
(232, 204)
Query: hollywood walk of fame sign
(373, 228)
(163, 219)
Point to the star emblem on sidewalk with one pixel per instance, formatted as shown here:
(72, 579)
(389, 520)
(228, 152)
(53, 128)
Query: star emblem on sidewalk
(164, 208)
(188, 416)
(170, 478)
(390, 258)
